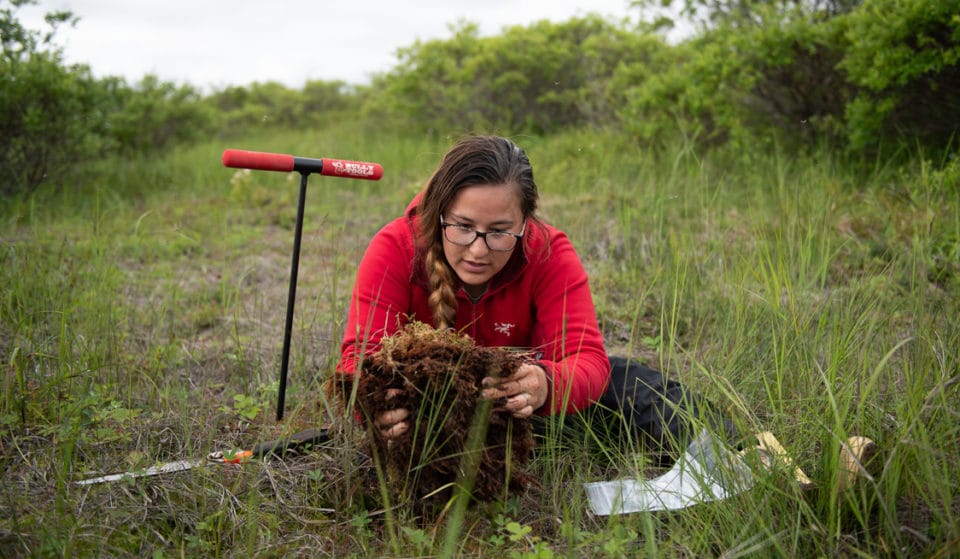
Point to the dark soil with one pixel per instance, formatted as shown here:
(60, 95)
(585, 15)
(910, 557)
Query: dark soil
(439, 375)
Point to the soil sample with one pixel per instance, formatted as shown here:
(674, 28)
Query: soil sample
(438, 374)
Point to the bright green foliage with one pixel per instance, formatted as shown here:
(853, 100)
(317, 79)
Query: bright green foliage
(688, 93)
(759, 68)
(537, 79)
(859, 76)
(153, 115)
(54, 117)
(45, 111)
(836, 72)
(45, 106)
(272, 105)
(851, 73)
(905, 58)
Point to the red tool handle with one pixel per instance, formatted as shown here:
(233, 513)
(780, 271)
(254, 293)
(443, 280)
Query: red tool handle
(259, 160)
(264, 161)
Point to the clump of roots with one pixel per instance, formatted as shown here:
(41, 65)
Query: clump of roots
(438, 374)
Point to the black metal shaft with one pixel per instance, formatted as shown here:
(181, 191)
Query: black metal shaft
(292, 295)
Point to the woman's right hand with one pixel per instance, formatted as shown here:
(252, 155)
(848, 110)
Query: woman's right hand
(393, 423)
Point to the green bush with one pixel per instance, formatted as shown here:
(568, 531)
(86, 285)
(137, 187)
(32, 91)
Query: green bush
(688, 93)
(46, 110)
(240, 109)
(153, 115)
(55, 117)
(535, 79)
(904, 57)
(45, 106)
(854, 74)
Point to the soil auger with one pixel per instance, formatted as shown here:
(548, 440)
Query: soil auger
(262, 161)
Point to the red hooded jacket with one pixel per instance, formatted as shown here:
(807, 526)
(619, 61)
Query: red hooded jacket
(540, 300)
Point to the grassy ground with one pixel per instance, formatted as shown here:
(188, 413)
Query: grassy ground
(141, 321)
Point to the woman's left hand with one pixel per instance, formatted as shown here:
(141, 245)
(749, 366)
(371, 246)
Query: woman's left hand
(525, 391)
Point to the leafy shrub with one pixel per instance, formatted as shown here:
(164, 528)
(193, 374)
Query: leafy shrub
(45, 107)
(273, 105)
(904, 57)
(536, 79)
(152, 115)
(54, 117)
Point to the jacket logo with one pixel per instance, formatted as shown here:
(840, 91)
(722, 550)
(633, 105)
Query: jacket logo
(503, 327)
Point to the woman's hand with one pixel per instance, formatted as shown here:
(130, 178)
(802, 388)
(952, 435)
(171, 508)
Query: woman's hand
(392, 423)
(526, 390)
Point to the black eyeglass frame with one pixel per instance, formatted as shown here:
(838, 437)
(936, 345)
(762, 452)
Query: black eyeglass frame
(483, 235)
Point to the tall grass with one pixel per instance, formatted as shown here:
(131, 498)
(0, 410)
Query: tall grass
(142, 311)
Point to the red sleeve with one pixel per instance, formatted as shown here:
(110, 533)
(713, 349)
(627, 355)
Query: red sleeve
(566, 330)
(381, 294)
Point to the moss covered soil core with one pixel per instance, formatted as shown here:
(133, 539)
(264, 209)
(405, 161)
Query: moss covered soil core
(437, 376)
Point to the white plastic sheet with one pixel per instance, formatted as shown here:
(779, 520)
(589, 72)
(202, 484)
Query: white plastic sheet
(707, 471)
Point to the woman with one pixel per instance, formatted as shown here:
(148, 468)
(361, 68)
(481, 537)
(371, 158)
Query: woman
(471, 254)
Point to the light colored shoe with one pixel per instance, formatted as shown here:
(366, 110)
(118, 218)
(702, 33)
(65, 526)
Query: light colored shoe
(855, 454)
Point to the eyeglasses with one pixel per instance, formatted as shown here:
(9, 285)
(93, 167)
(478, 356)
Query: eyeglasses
(499, 241)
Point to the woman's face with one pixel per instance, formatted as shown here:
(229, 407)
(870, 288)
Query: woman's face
(485, 208)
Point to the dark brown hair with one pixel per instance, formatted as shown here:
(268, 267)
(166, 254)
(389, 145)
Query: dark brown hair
(474, 160)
